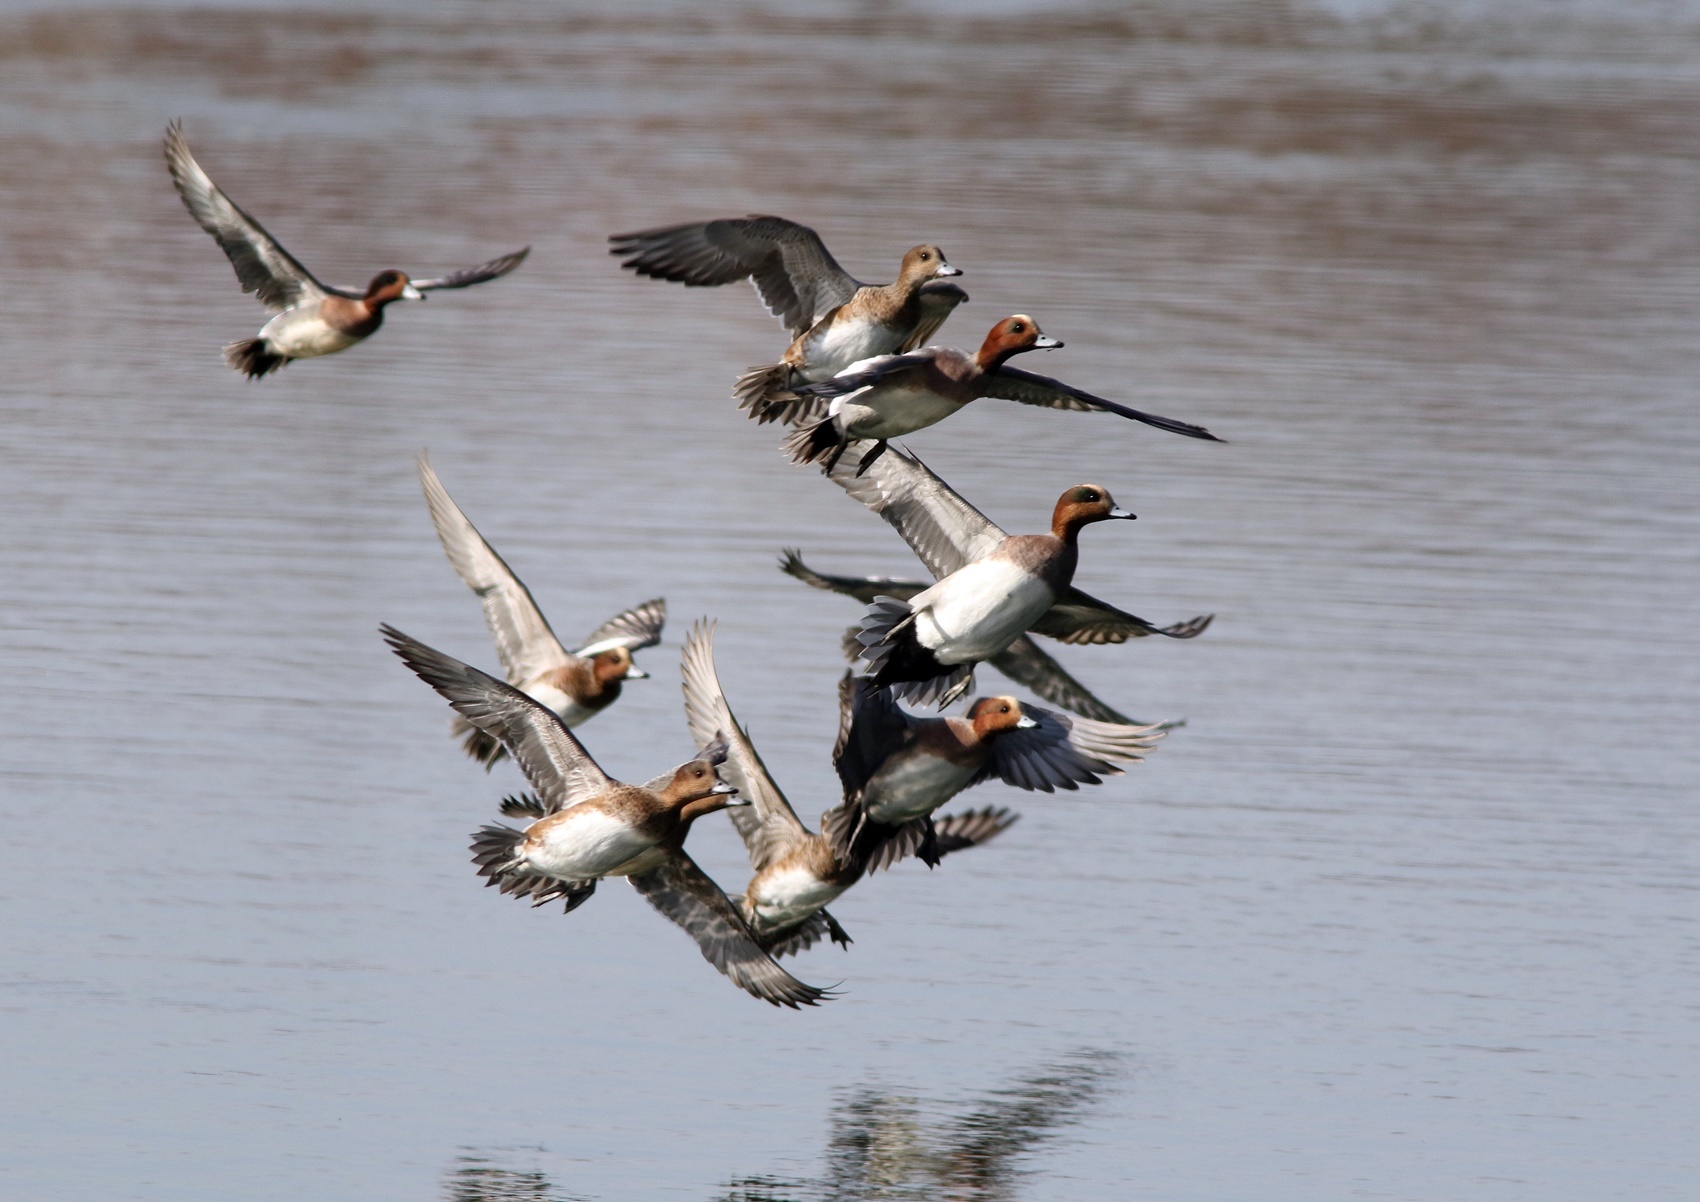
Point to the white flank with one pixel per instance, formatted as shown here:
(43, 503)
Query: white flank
(977, 611)
(300, 334)
(588, 843)
(845, 342)
(794, 893)
(569, 711)
(892, 412)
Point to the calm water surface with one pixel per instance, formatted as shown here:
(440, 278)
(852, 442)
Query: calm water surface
(1406, 911)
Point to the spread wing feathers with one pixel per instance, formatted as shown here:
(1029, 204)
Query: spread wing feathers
(769, 825)
(1079, 617)
(881, 369)
(863, 588)
(971, 828)
(637, 628)
(467, 277)
(524, 642)
(1030, 388)
(1113, 740)
(871, 727)
(524, 805)
(883, 846)
(939, 299)
(1025, 663)
(554, 763)
(939, 526)
(788, 941)
(681, 891)
(262, 266)
(1043, 757)
(796, 276)
(493, 851)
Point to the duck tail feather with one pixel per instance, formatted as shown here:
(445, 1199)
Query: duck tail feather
(251, 357)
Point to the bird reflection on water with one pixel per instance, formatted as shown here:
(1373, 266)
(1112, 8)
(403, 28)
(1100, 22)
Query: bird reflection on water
(887, 1145)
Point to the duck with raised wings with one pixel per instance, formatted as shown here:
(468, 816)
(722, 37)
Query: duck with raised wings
(575, 685)
(312, 318)
(798, 873)
(594, 826)
(991, 585)
(834, 319)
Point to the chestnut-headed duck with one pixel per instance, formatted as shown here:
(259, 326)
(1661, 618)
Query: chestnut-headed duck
(1022, 661)
(834, 319)
(897, 769)
(797, 872)
(576, 685)
(892, 395)
(594, 826)
(991, 585)
(311, 319)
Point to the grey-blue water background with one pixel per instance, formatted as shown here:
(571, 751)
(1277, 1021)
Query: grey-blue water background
(1406, 911)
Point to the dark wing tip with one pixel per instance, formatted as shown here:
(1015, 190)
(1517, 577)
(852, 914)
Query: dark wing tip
(1189, 629)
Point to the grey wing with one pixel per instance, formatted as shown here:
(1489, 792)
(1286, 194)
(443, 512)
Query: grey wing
(1081, 618)
(939, 526)
(1128, 742)
(1043, 757)
(796, 276)
(524, 642)
(768, 825)
(262, 266)
(1030, 388)
(559, 768)
(971, 828)
(637, 628)
(682, 892)
(863, 588)
(1025, 663)
(870, 727)
(939, 299)
(494, 269)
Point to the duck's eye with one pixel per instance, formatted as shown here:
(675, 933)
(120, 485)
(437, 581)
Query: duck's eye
(925, 255)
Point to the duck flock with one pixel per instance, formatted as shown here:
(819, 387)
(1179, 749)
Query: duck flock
(859, 371)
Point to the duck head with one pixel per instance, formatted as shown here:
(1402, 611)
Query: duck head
(994, 715)
(923, 263)
(390, 285)
(1081, 506)
(1012, 336)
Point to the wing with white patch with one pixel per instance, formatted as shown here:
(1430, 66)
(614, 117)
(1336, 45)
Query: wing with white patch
(469, 276)
(262, 266)
(866, 373)
(1029, 388)
(769, 825)
(684, 893)
(796, 276)
(939, 526)
(524, 642)
(637, 628)
(1081, 618)
(559, 769)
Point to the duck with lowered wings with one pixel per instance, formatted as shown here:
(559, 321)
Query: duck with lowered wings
(990, 587)
(892, 395)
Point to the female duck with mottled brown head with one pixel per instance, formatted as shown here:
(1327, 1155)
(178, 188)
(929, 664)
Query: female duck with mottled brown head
(893, 395)
(312, 318)
(991, 586)
(590, 826)
(834, 319)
